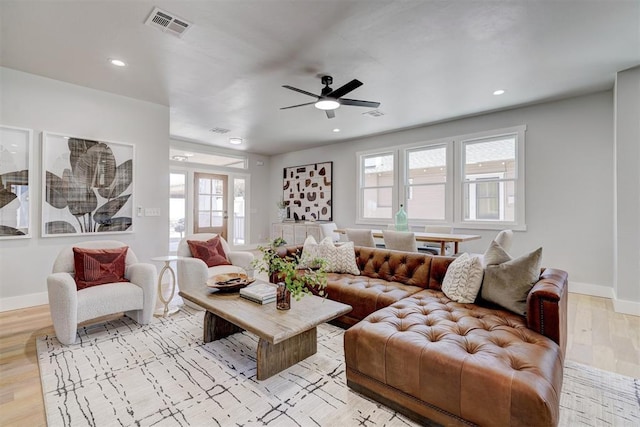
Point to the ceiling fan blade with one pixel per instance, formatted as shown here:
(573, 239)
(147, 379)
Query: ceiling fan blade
(345, 89)
(358, 103)
(301, 91)
(299, 105)
(330, 114)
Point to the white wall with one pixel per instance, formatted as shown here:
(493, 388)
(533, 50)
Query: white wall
(569, 176)
(42, 104)
(627, 191)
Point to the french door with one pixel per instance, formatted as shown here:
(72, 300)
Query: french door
(210, 204)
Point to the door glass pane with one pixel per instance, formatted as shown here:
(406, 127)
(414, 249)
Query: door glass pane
(204, 219)
(204, 186)
(177, 209)
(204, 202)
(216, 218)
(218, 203)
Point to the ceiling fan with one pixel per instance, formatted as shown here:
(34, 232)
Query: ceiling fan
(331, 99)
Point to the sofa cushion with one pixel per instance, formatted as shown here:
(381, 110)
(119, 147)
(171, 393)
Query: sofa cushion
(365, 294)
(463, 279)
(99, 266)
(210, 251)
(508, 284)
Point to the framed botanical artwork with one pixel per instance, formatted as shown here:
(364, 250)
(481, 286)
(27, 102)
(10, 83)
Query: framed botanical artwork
(15, 182)
(87, 186)
(307, 192)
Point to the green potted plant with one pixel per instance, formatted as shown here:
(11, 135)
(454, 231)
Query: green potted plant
(292, 281)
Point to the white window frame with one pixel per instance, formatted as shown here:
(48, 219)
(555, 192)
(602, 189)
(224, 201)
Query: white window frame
(360, 156)
(404, 186)
(454, 187)
(518, 223)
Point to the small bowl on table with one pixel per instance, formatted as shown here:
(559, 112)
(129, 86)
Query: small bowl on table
(229, 282)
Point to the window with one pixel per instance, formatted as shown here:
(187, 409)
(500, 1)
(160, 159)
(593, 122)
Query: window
(377, 182)
(239, 211)
(177, 209)
(470, 181)
(426, 182)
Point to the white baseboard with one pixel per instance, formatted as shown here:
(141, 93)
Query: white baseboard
(591, 289)
(626, 307)
(23, 301)
(619, 305)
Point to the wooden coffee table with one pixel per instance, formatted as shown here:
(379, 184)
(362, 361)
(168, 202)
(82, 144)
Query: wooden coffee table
(286, 337)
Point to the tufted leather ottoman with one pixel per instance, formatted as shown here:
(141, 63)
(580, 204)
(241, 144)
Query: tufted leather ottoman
(455, 364)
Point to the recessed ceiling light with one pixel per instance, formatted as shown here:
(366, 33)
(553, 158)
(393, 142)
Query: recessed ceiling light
(180, 158)
(188, 154)
(336, 130)
(235, 141)
(498, 92)
(117, 62)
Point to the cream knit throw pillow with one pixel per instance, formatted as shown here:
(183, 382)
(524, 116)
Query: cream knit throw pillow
(463, 279)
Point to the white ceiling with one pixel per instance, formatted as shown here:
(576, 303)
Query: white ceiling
(425, 61)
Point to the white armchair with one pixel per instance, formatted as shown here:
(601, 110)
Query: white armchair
(194, 273)
(70, 306)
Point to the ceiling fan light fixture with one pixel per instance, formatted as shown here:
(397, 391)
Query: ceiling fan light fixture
(327, 104)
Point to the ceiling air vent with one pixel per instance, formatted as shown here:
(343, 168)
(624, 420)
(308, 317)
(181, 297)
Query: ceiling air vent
(219, 130)
(167, 22)
(373, 113)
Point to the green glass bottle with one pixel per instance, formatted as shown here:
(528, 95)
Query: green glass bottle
(401, 220)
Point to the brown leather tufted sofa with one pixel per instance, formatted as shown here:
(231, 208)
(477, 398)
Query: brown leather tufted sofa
(413, 349)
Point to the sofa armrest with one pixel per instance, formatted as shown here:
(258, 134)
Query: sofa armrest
(146, 277)
(547, 306)
(192, 273)
(63, 304)
(241, 258)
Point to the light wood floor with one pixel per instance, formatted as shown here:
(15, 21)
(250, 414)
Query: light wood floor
(598, 337)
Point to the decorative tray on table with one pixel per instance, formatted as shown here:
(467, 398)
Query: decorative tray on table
(229, 282)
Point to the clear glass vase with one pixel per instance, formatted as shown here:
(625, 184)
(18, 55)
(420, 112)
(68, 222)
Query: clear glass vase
(283, 297)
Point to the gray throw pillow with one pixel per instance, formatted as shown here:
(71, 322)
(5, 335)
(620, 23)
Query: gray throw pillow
(495, 254)
(508, 284)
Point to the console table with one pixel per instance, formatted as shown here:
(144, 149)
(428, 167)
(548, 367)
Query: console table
(295, 233)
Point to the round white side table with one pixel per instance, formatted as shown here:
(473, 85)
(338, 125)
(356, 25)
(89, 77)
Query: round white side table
(167, 309)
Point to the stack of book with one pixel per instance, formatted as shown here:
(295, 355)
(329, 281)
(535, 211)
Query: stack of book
(261, 293)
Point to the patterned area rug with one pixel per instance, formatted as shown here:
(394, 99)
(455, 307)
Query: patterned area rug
(162, 374)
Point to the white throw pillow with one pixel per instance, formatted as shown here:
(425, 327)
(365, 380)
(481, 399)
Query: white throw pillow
(340, 259)
(311, 251)
(463, 279)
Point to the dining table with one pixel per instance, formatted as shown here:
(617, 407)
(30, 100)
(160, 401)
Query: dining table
(441, 238)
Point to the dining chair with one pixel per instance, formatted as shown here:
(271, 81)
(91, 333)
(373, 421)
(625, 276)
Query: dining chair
(400, 240)
(361, 237)
(329, 230)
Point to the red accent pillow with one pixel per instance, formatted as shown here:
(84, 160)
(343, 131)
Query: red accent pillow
(99, 266)
(211, 251)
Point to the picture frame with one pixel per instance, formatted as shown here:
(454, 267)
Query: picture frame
(16, 182)
(87, 186)
(308, 192)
